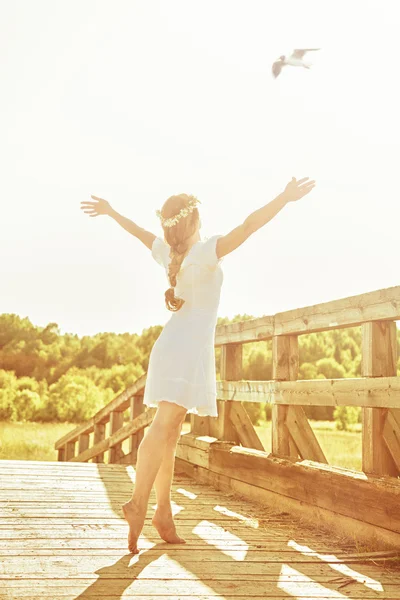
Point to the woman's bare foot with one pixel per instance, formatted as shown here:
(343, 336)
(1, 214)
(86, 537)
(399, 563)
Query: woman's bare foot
(135, 518)
(164, 523)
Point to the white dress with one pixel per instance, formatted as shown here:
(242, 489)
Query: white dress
(182, 361)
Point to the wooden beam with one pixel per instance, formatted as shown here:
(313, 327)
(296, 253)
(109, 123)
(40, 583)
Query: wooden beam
(116, 422)
(136, 408)
(285, 360)
(222, 427)
(303, 436)
(99, 437)
(339, 490)
(199, 425)
(245, 429)
(381, 392)
(379, 347)
(252, 330)
(343, 492)
(391, 435)
(83, 442)
(347, 527)
(196, 449)
(69, 450)
(231, 362)
(380, 305)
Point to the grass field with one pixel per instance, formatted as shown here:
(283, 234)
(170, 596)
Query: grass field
(341, 448)
(31, 441)
(35, 441)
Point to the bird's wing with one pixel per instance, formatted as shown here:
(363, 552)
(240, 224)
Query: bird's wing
(299, 53)
(276, 68)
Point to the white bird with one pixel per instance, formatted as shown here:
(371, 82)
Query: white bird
(295, 60)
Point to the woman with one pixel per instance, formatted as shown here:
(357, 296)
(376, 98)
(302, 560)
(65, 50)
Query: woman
(181, 373)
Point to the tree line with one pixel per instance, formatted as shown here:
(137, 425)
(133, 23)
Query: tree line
(49, 376)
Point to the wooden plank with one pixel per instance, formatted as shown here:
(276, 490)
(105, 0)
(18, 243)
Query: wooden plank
(360, 391)
(285, 358)
(379, 349)
(247, 570)
(306, 443)
(347, 527)
(136, 408)
(99, 442)
(69, 450)
(221, 427)
(83, 442)
(342, 491)
(391, 435)
(285, 362)
(199, 425)
(241, 421)
(196, 448)
(251, 330)
(379, 305)
(116, 422)
(196, 588)
(231, 362)
(379, 359)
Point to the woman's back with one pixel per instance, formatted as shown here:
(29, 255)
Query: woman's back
(200, 277)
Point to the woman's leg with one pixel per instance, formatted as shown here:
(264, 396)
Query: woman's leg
(163, 520)
(151, 451)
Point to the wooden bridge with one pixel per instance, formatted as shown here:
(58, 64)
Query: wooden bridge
(280, 524)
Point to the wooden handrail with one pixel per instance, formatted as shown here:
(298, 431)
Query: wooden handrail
(382, 392)
(119, 404)
(379, 305)
(377, 391)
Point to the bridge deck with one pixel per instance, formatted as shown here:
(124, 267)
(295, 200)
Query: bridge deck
(62, 536)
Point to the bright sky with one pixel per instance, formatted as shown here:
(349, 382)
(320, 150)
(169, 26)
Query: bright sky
(135, 101)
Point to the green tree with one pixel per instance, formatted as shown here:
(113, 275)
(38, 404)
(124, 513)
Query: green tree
(346, 416)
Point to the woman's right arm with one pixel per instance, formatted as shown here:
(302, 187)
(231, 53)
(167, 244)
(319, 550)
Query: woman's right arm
(103, 207)
(257, 219)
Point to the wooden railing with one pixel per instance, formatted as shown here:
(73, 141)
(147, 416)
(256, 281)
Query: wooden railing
(91, 440)
(377, 391)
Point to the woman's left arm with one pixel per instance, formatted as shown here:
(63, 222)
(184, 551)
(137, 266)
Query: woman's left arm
(102, 207)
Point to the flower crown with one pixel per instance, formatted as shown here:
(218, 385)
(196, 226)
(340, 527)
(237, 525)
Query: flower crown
(184, 212)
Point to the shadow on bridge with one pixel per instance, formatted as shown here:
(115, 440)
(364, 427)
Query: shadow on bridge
(236, 562)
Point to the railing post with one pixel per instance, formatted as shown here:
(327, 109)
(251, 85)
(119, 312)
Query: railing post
(99, 436)
(61, 454)
(285, 366)
(83, 443)
(379, 358)
(116, 422)
(222, 427)
(69, 450)
(136, 408)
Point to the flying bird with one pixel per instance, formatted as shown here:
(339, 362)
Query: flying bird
(295, 60)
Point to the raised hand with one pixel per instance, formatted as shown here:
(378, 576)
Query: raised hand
(297, 189)
(99, 207)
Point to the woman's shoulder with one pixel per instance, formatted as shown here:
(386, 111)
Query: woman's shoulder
(203, 252)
